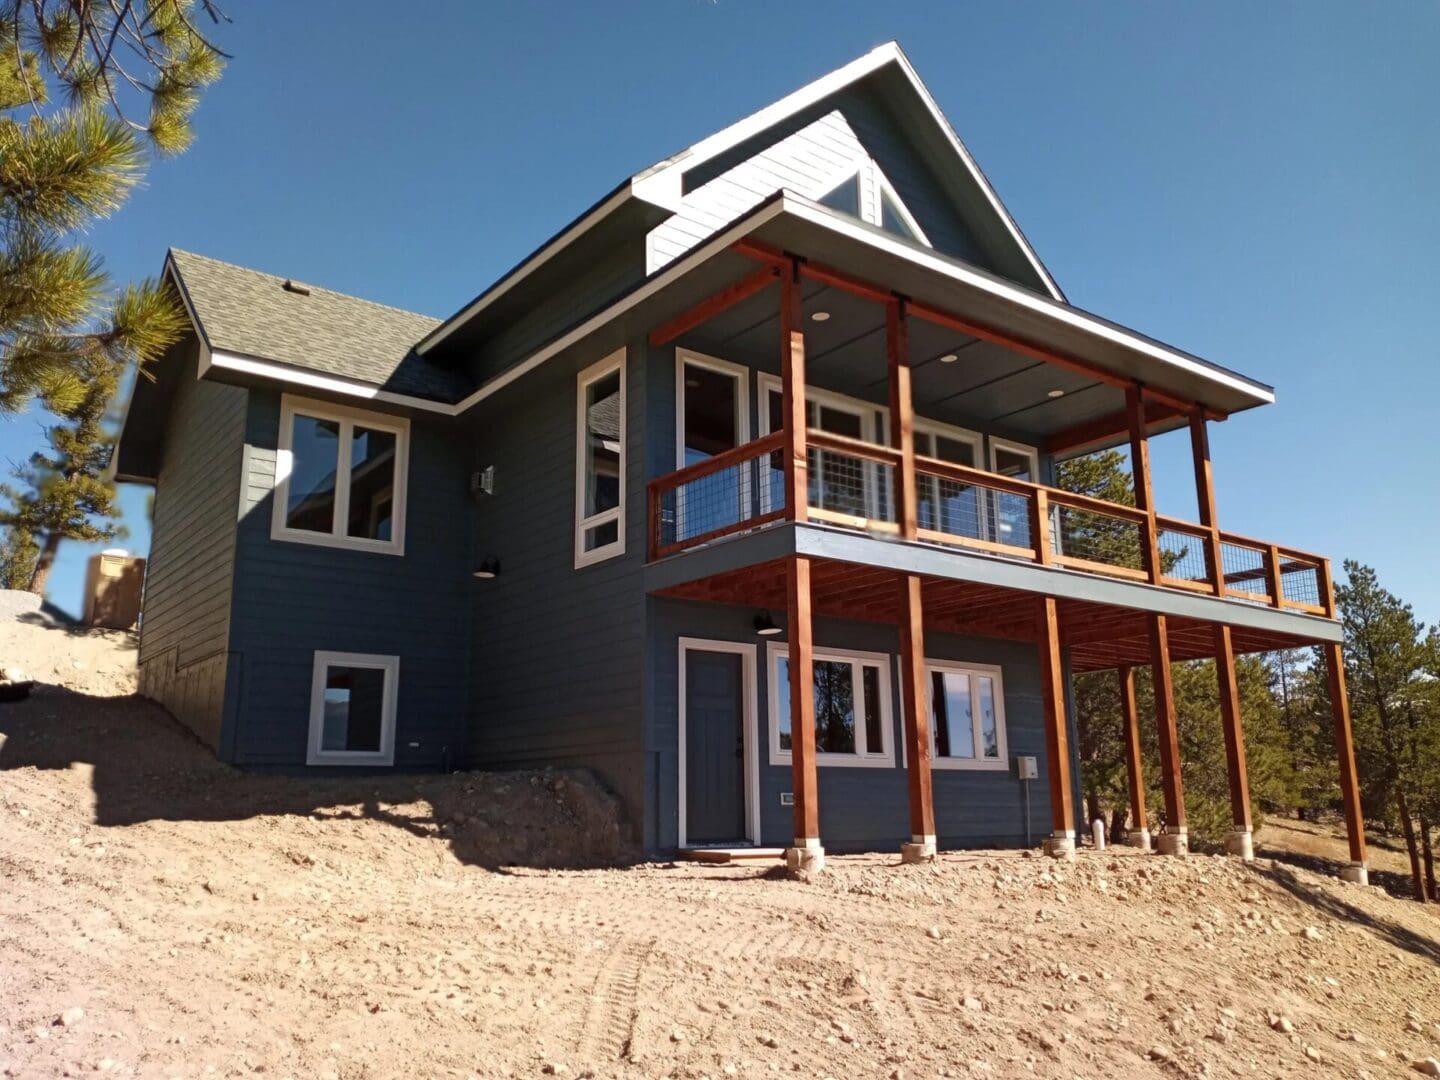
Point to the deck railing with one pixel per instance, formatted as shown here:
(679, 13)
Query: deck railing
(852, 483)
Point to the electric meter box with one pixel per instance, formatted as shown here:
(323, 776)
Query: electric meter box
(1026, 768)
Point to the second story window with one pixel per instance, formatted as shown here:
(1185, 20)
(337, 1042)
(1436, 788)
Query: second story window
(340, 477)
(600, 461)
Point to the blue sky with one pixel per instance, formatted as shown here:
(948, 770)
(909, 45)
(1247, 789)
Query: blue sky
(1253, 183)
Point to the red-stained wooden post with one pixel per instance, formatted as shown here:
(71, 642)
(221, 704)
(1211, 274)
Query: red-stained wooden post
(1061, 843)
(1175, 840)
(1345, 753)
(1239, 840)
(1134, 761)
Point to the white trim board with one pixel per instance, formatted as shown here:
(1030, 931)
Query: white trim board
(612, 364)
(750, 706)
(314, 753)
(884, 758)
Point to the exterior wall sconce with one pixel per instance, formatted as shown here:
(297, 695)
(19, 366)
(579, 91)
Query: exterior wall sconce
(765, 625)
(488, 569)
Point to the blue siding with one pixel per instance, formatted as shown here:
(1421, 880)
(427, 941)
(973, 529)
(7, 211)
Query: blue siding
(556, 652)
(860, 808)
(292, 599)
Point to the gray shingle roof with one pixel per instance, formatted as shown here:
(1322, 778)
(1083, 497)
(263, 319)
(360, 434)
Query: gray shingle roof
(250, 313)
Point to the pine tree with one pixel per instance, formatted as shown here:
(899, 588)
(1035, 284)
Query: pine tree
(1390, 664)
(64, 167)
(18, 553)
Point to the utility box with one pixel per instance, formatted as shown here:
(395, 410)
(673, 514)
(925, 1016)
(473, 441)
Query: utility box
(1026, 768)
(113, 584)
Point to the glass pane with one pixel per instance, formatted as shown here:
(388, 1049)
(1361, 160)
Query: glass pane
(959, 451)
(602, 444)
(782, 699)
(712, 411)
(315, 453)
(774, 494)
(989, 730)
(845, 197)
(372, 483)
(354, 710)
(840, 482)
(1012, 512)
(892, 220)
(601, 535)
(834, 707)
(950, 714)
(1009, 463)
(945, 505)
(874, 734)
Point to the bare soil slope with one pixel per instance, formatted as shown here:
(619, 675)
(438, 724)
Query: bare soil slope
(164, 916)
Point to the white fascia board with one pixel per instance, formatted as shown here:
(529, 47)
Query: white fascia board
(1056, 310)
(525, 269)
(334, 384)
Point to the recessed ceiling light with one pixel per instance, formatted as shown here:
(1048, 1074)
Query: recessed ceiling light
(820, 316)
(1056, 393)
(949, 358)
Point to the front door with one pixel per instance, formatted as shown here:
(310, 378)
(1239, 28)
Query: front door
(714, 747)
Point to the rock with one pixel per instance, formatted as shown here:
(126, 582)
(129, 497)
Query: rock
(555, 1068)
(1159, 1052)
(1311, 934)
(1312, 1053)
(1426, 1066)
(974, 1004)
(1414, 1026)
(934, 933)
(1282, 1024)
(676, 1035)
(770, 1041)
(70, 1017)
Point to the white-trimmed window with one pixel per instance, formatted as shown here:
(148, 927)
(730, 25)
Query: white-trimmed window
(352, 709)
(867, 194)
(1010, 514)
(600, 461)
(852, 707)
(340, 476)
(946, 506)
(967, 715)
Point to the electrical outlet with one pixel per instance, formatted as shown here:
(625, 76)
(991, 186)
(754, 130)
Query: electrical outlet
(787, 798)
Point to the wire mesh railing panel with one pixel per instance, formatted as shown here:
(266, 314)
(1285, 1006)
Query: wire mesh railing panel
(1097, 538)
(852, 486)
(1244, 570)
(716, 503)
(1182, 555)
(971, 511)
(1300, 581)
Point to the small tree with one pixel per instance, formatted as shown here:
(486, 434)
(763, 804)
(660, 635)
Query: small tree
(18, 552)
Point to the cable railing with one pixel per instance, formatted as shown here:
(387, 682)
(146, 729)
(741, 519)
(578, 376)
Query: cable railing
(853, 484)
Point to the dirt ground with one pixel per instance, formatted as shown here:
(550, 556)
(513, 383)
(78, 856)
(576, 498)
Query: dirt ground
(164, 916)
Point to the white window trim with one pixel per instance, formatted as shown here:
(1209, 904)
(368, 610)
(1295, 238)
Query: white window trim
(883, 185)
(871, 182)
(347, 417)
(750, 693)
(739, 372)
(885, 759)
(996, 445)
(980, 764)
(973, 439)
(324, 660)
(612, 363)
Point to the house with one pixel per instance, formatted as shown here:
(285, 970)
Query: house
(735, 491)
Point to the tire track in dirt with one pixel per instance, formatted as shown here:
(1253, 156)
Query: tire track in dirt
(609, 1022)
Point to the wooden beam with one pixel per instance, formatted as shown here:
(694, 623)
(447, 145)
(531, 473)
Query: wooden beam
(1205, 501)
(1106, 428)
(792, 382)
(1057, 738)
(1231, 725)
(1345, 753)
(1134, 760)
(802, 703)
(1144, 494)
(914, 702)
(1171, 783)
(902, 416)
(707, 309)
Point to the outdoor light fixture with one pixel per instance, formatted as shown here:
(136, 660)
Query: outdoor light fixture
(820, 316)
(949, 358)
(1056, 393)
(488, 569)
(765, 625)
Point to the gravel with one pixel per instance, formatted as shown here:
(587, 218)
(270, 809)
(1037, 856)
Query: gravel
(17, 602)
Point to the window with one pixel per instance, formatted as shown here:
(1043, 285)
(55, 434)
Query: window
(340, 477)
(839, 483)
(712, 407)
(600, 461)
(867, 194)
(967, 716)
(946, 506)
(1010, 514)
(852, 708)
(352, 709)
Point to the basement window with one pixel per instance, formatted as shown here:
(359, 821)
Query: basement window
(340, 477)
(967, 716)
(852, 708)
(352, 709)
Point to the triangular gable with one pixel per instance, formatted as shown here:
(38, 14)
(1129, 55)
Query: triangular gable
(873, 110)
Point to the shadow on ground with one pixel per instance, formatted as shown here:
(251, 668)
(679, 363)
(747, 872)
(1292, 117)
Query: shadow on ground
(144, 767)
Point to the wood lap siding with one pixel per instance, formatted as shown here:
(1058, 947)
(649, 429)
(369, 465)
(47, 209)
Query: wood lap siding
(807, 155)
(556, 651)
(188, 585)
(293, 599)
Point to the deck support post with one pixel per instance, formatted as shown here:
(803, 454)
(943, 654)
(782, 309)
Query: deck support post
(806, 854)
(1134, 761)
(1061, 843)
(1358, 870)
(1175, 840)
(921, 847)
(1239, 841)
(792, 393)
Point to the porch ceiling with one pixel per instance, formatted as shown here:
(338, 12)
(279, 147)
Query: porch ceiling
(1099, 636)
(985, 386)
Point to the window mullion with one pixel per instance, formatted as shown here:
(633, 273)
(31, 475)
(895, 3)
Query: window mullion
(341, 513)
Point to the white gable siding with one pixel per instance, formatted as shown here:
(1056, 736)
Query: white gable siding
(808, 162)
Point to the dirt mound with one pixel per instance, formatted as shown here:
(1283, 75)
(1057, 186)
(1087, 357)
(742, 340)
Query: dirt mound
(48, 651)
